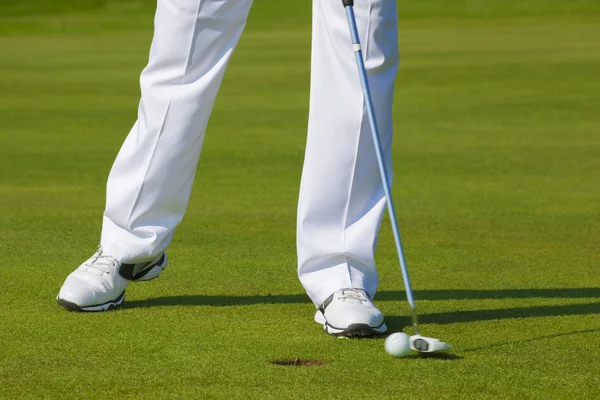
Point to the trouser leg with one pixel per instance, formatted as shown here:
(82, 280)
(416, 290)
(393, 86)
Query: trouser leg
(341, 196)
(150, 183)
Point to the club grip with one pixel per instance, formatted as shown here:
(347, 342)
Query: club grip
(348, 3)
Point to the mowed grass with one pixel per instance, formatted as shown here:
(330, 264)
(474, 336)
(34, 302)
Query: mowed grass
(497, 187)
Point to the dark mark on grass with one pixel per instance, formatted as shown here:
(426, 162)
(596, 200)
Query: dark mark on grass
(297, 362)
(432, 356)
(440, 356)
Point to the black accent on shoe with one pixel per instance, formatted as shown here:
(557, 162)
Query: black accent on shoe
(145, 271)
(326, 302)
(356, 331)
(111, 305)
(127, 271)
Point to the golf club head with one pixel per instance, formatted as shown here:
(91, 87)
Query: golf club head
(425, 344)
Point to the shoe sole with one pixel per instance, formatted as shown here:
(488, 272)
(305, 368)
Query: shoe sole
(355, 330)
(352, 331)
(109, 305)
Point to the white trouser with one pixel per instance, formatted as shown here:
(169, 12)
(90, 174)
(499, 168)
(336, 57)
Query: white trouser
(341, 197)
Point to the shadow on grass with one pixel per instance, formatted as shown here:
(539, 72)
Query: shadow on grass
(204, 300)
(535, 339)
(435, 356)
(397, 322)
(465, 294)
(394, 295)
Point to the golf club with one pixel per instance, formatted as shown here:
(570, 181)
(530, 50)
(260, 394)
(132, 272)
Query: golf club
(417, 342)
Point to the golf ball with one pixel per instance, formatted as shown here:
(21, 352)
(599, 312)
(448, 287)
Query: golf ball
(397, 344)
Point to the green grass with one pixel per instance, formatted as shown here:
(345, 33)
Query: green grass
(497, 189)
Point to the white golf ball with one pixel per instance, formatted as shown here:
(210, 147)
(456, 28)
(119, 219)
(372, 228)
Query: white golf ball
(397, 344)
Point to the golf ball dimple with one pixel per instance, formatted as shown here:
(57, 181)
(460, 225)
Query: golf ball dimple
(397, 344)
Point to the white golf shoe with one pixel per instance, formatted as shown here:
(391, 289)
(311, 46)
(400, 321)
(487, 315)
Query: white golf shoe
(350, 313)
(99, 283)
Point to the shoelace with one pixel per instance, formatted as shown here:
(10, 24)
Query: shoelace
(353, 294)
(100, 263)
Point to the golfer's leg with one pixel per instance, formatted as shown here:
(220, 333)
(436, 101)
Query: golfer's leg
(341, 196)
(150, 182)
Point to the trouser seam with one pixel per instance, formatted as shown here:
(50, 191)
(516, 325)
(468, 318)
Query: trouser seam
(166, 112)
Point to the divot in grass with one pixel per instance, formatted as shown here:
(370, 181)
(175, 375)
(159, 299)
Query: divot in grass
(297, 362)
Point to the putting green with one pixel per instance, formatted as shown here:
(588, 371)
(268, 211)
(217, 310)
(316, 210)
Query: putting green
(497, 119)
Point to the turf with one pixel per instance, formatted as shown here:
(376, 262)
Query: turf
(497, 188)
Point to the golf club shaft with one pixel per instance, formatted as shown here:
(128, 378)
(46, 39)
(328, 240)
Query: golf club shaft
(348, 4)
